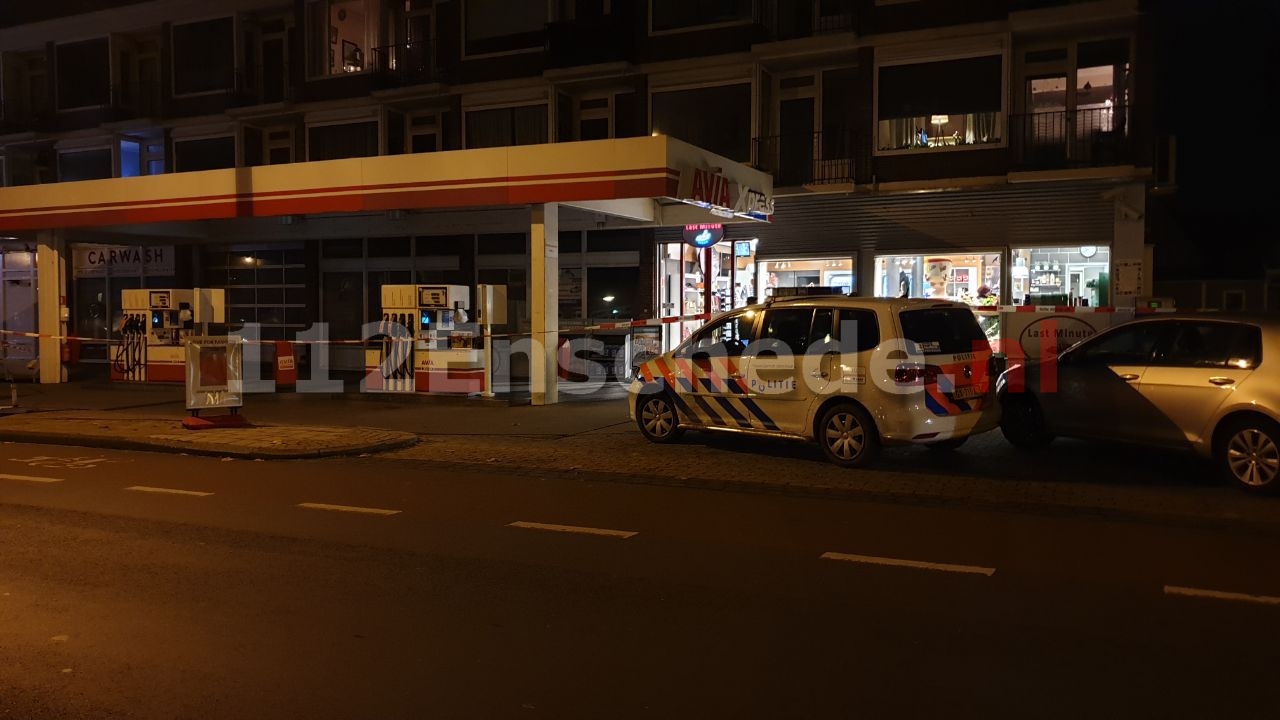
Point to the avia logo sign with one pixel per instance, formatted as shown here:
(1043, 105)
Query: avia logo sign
(712, 188)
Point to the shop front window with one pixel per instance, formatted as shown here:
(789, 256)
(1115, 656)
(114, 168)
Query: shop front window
(681, 289)
(836, 275)
(732, 274)
(1072, 275)
(970, 278)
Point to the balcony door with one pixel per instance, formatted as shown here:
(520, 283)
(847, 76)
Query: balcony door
(797, 127)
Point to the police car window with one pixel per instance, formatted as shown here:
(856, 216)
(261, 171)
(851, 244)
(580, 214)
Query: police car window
(823, 333)
(785, 330)
(859, 331)
(728, 336)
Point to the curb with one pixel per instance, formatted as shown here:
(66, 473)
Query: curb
(110, 443)
(1048, 508)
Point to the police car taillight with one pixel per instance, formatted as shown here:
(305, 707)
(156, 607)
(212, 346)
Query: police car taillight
(916, 374)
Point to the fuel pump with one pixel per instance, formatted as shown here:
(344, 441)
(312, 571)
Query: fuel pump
(433, 317)
(153, 328)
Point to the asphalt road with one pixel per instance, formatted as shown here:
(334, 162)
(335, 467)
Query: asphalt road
(135, 585)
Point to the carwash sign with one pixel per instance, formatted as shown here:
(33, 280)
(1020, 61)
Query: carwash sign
(101, 260)
(723, 197)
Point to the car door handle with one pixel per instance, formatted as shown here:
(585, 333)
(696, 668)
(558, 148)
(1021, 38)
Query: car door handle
(1222, 381)
(1128, 377)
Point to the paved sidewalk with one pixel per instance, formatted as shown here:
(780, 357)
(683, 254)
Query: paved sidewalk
(123, 431)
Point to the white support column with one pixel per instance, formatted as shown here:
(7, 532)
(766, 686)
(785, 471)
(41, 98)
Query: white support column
(51, 298)
(1129, 245)
(544, 269)
(866, 269)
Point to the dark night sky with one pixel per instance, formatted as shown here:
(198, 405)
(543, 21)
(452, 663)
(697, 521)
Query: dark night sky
(1217, 78)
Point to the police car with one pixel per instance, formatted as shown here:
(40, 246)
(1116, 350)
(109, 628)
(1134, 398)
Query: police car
(853, 374)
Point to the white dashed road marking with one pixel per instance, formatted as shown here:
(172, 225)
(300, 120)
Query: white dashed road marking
(573, 529)
(29, 478)
(170, 491)
(916, 564)
(1220, 595)
(349, 508)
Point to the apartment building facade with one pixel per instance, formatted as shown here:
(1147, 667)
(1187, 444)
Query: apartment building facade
(991, 151)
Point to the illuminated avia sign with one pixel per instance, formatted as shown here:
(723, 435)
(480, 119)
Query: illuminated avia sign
(703, 235)
(723, 197)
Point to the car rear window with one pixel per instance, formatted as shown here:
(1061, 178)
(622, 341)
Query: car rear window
(944, 330)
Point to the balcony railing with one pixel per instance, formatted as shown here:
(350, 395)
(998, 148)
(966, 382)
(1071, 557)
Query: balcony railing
(412, 63)
(791, 19)
(1090, 137)
(815, 158)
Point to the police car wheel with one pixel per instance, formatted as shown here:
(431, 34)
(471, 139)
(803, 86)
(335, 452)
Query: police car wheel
(1022, 423)
(847, 436)
(657, 418)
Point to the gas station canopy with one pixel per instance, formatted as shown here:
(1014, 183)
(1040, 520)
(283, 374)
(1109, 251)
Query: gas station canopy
(654, 180)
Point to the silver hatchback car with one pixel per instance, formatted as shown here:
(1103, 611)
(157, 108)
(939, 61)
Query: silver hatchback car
(1207, 382)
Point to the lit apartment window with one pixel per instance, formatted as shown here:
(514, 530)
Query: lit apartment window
(713, 118)
(340, 35)
(676, 14)
(498, 26)
(502, 127)
(940, 105)
(84, 74)
(204, 56)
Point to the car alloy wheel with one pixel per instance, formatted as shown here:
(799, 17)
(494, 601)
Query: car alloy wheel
(1253, 457)
(657, 419)
(845, 436)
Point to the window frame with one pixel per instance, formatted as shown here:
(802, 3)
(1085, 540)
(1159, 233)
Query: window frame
(1002, 120)
(373, 38)
(545, 103)
(236, 51)
(693, 28)
(462, 25)
(51, 61)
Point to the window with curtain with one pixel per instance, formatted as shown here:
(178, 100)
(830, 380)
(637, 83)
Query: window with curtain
(942, 104)
(335, 142)
(713, 118)
(503, 127)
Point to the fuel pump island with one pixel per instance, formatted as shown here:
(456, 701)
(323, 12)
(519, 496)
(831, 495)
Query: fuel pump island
(431, 344)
